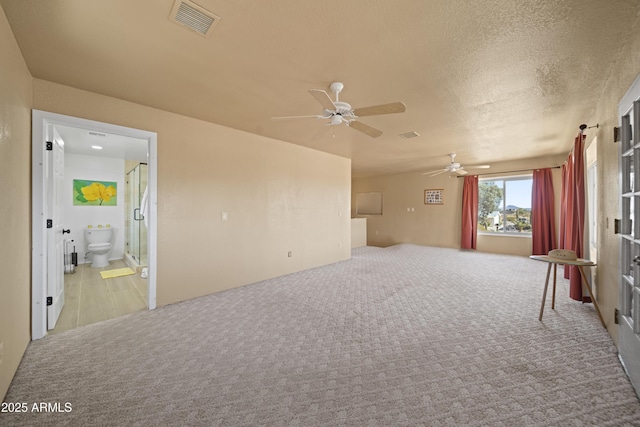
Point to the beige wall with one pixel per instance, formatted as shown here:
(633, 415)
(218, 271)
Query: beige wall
(406, 219)
(279, 197)
(15, 187)
(358, 232)
(605, 114)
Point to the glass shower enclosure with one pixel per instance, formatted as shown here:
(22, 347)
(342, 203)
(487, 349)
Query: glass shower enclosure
(135, 228)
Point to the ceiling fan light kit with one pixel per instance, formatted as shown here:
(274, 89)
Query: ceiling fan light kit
(339, 112)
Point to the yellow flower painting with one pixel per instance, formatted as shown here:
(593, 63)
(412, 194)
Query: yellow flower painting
(94, 193)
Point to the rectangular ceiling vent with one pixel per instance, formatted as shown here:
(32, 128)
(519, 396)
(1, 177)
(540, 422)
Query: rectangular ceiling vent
(408, 135)
(193, 17)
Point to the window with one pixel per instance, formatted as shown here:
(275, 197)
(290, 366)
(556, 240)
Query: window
(504, 205)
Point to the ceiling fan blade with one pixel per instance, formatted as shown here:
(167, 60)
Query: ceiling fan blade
(374, 110)
(323, 98)
(299, 117)
(461, 171)
(372, 132)
(434, 173)
(478, 167)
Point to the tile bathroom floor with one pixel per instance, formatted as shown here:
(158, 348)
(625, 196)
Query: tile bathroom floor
(88, 298)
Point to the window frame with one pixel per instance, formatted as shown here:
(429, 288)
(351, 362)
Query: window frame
(504, 179)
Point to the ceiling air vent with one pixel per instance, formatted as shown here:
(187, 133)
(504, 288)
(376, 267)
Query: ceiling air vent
(408, 135)
(193, 17)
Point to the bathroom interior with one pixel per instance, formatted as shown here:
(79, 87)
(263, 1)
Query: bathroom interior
(107, 236)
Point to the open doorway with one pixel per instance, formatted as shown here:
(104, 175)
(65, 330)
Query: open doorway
(101, 153)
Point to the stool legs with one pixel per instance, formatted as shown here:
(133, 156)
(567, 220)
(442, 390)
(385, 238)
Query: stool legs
(553, 296)
(544, 294)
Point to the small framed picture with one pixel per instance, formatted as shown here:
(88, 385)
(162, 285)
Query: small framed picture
(434, 197)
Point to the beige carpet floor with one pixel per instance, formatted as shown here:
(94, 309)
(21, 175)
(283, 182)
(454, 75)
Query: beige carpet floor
(405, 335)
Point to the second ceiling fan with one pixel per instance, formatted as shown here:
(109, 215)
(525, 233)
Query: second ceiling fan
(338, 112)
(455, 167)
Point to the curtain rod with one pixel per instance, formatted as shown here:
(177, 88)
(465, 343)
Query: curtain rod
(505, 172)
(582, 127)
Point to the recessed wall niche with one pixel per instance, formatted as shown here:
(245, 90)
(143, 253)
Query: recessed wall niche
(369, 203)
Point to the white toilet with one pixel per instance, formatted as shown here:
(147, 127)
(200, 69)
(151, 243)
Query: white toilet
(98, 241)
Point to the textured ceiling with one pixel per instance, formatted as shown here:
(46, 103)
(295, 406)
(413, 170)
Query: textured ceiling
(491, 80)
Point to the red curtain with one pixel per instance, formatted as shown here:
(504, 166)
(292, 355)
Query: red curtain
(543, 224)
(563, 205)
(469, 212)
(572, 214)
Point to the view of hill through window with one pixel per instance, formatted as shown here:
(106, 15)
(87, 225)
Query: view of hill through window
(504, 205)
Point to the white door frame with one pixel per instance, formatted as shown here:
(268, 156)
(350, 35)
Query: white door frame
(39, 121)
(54, 188)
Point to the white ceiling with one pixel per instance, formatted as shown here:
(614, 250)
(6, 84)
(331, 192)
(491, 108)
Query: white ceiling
(82, 141)
(491, 80)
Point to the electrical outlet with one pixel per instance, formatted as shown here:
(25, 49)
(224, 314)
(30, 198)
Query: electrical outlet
(289, 254)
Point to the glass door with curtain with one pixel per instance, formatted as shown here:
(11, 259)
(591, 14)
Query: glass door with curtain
(629, 229)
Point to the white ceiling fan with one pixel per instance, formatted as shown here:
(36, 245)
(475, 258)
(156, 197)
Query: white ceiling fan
(338, 112)
(455, 167)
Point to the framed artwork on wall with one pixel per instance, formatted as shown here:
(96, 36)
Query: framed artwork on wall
(434, 197)
(94, 193)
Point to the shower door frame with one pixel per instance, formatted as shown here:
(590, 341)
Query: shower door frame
(133, 222)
